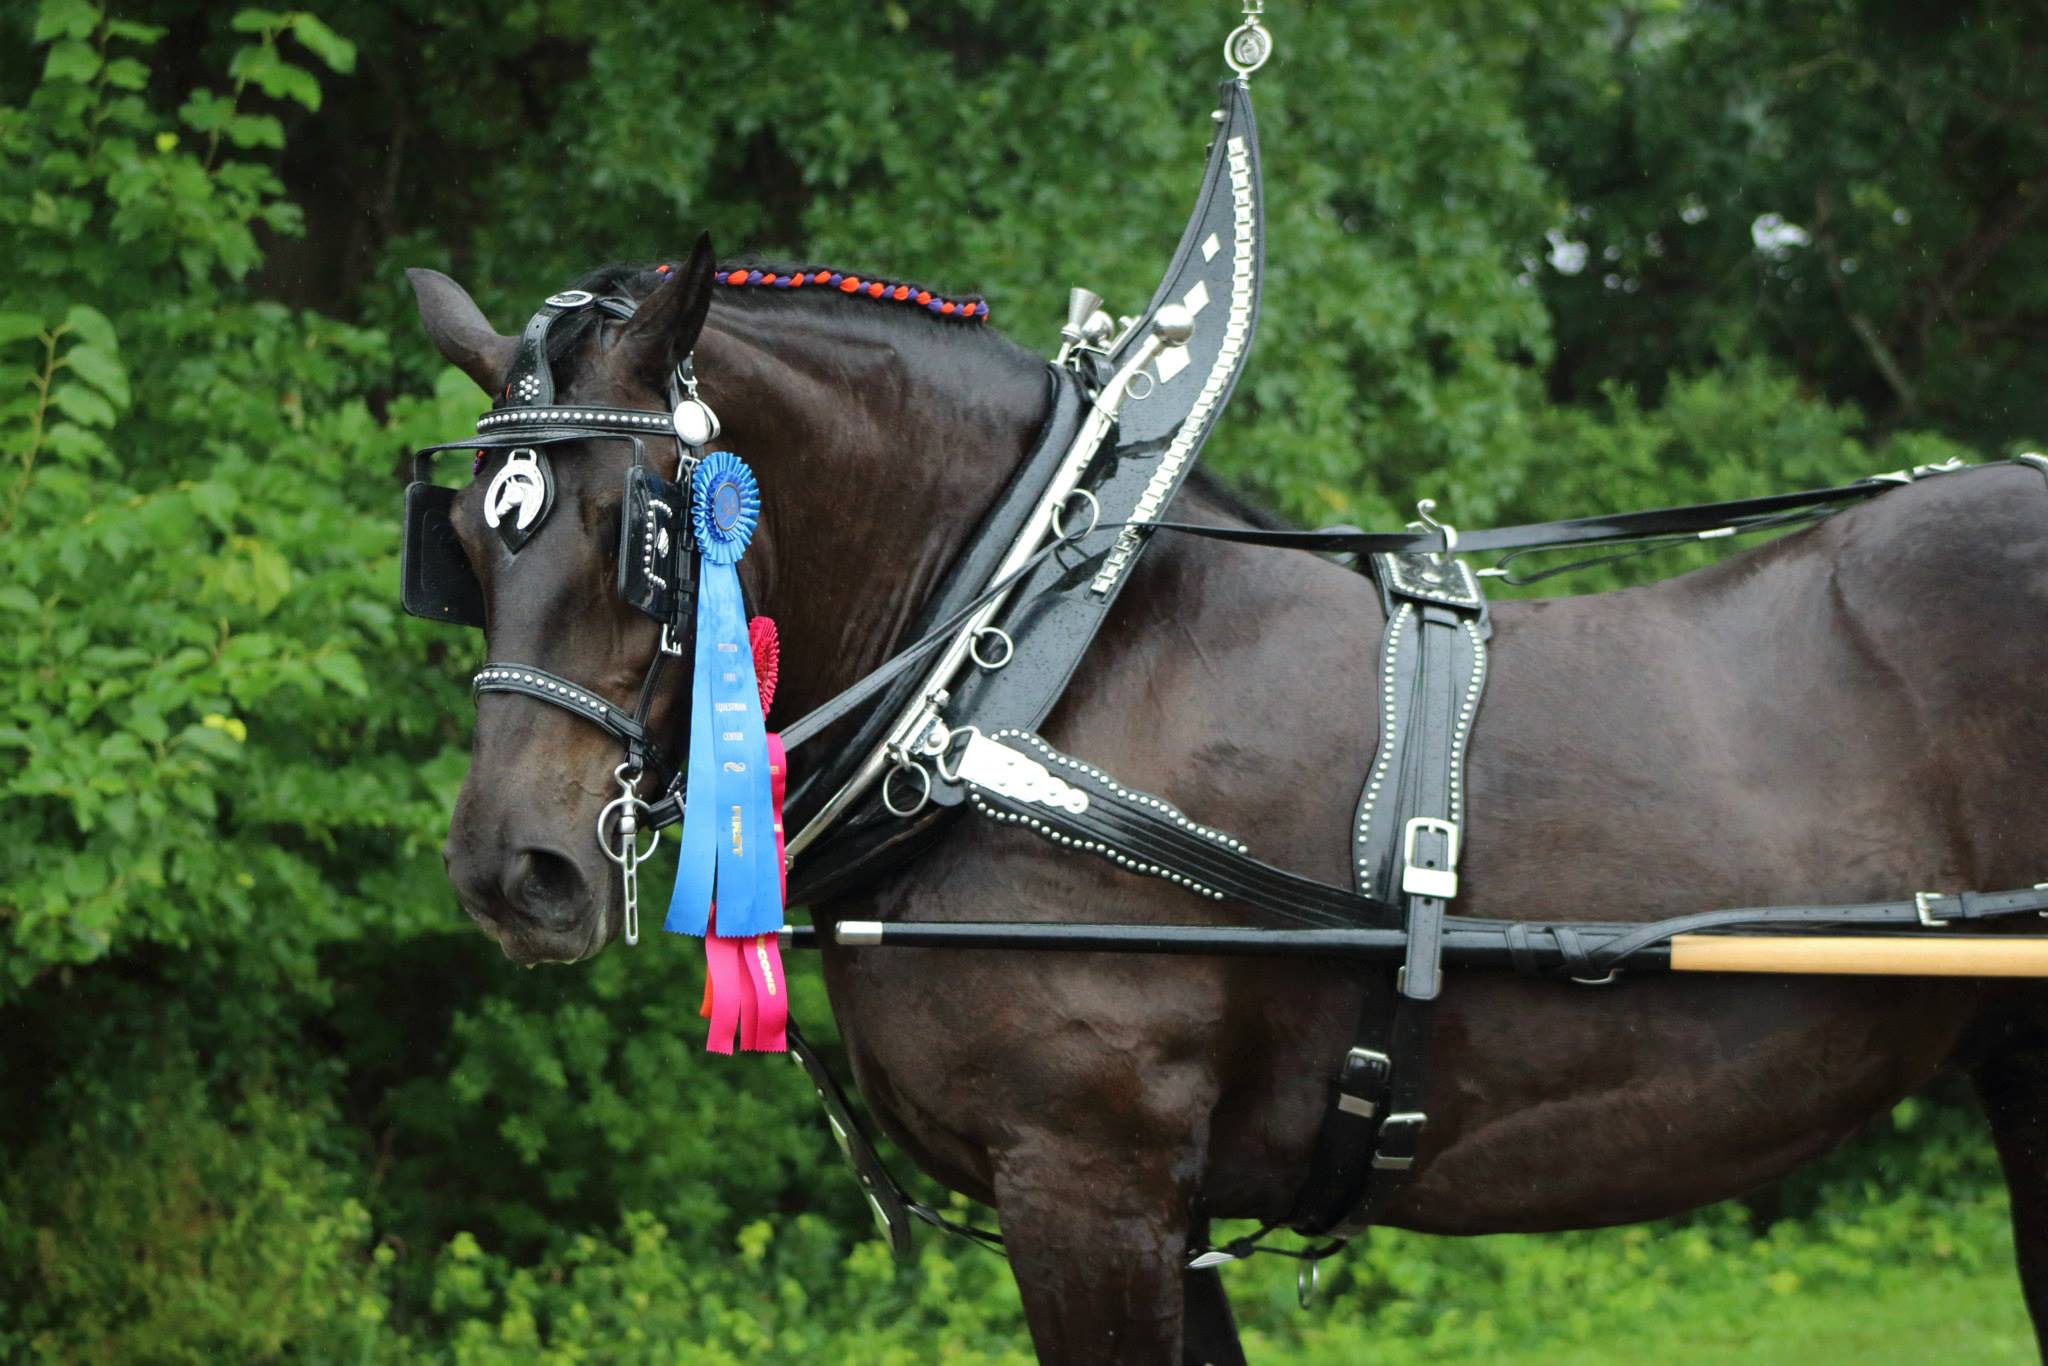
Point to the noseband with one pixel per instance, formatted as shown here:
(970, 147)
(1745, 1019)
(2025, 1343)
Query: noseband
(656, 567)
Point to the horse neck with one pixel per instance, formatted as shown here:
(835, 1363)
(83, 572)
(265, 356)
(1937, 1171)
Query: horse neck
(879, 446)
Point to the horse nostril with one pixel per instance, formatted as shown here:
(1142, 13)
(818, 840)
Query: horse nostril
(545, 887)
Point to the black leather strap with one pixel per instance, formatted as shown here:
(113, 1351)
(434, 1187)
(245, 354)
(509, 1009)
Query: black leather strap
(1405, 848)
(641, 748)
(503, 427)
(1624, 526)
(891, 1207)
(1145, 834)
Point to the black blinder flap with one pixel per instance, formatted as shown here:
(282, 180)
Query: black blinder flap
(655, 567)
(436, 582)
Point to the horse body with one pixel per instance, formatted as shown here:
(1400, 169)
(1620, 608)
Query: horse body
(1766, 731)
(1841, 715)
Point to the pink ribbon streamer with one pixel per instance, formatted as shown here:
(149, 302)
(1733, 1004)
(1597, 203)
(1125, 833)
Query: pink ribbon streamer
(726, 991)
(745, 989)
(764, 955)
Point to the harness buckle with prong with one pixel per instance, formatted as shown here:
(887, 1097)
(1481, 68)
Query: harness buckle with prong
(1418, 880)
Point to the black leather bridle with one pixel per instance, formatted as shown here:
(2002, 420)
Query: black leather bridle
(656, 565)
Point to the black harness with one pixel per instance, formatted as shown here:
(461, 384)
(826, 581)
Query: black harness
(949, 721)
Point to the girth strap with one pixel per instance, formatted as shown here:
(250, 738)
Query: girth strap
(1406, 846)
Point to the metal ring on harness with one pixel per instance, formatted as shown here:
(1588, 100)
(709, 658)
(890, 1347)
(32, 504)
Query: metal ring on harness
(1305, 1277)
(974, 647)
(1249, 44)
(1058, 520)
(924, 794)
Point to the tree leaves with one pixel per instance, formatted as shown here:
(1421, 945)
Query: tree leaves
(71, 61)
(337, 52)
(188, 600)
(57, 19)
(102, 370)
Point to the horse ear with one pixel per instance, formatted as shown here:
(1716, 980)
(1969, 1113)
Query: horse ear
(668, 321)
(460, 331)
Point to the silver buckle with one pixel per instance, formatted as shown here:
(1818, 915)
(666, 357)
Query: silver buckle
(1441, 883)
(1359, 1105)
(1402, 1119)
(1923, 906)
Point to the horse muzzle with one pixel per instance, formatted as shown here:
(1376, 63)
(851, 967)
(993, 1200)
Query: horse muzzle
(540, 903)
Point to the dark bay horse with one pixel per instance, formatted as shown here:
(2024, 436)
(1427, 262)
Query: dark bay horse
(1852, 712)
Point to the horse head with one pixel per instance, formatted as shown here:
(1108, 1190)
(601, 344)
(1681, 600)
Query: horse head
(877, 435)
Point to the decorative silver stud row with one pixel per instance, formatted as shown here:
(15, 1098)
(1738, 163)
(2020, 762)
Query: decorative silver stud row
(1130, 795)
(605, 417)
(1114, 855)
(647, 543)
(1236, 333)
(1467, 709)
(1389, 719)
(588, 700)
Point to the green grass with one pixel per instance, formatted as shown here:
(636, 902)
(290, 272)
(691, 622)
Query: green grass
(1904, 1320)
(1898, 1317)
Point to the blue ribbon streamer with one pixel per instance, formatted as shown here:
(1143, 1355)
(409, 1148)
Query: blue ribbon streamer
(728, 839)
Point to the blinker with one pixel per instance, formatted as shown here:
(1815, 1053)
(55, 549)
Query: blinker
(657, 574)
(436, 582)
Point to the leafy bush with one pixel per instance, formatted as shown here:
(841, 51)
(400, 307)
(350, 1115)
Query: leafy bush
(180, 1191)
(200, 540)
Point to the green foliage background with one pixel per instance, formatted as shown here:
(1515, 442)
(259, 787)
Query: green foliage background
(267, 1100)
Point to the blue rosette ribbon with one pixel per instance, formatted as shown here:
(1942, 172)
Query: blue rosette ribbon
(728, 841)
